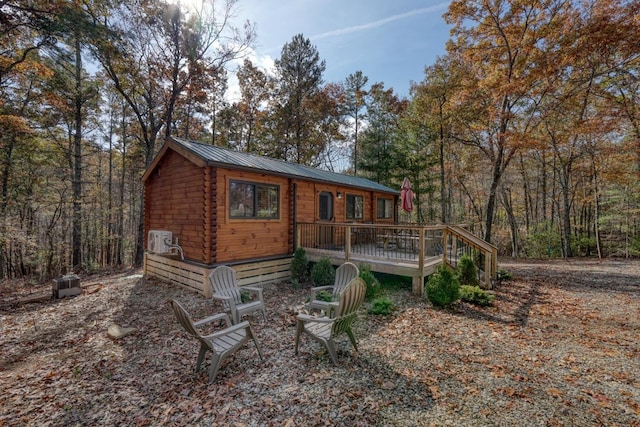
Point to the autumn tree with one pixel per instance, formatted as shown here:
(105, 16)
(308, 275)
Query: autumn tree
(433, 98)
(255, 92)
(576, 120)
(330, 122)
(507, 45)
(158, 51)
(25, 28)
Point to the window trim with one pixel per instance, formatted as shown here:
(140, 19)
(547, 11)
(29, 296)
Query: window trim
(384, 199)
(255, 185)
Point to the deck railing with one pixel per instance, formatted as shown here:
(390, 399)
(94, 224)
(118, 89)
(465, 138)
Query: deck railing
(459, 241)
(385, 241)
(401, 243)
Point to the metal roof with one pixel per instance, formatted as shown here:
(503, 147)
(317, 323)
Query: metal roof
(218, 156)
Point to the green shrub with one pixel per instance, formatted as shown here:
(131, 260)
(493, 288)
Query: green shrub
(245, 296)
(583, 245)
(373, 284)
(382, 306)
(475, 295)
(299, 266)
(324, 295)
(544, 243)
(504, 275)
(466, 271)
(442, 288)
(322, 273)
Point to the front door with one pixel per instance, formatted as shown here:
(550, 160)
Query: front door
(325, 214)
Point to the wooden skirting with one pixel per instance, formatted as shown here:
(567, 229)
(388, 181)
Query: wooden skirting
(261, 272)
(176, 271)
(196, 277)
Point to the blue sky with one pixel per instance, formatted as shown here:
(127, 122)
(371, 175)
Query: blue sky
(390, 41)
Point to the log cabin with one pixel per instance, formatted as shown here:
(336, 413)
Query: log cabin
(219, 206)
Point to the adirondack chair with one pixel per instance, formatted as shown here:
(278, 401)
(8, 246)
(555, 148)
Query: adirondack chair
(344, 274)
(222, 343)
(326, 329)
(225, 289)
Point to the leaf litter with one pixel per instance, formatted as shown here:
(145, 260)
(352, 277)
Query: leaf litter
(560, 346)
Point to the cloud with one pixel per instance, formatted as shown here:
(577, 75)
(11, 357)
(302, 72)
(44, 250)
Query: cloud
(264, 62)
(380, 22)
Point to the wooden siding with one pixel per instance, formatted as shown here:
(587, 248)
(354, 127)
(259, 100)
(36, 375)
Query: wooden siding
(174, 201)
(306, 209)
(243, 239)
(308, 194)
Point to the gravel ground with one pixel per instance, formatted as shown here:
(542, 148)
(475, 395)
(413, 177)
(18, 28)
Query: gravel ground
(560, 346)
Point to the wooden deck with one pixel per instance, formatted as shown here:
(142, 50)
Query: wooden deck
(405, 250)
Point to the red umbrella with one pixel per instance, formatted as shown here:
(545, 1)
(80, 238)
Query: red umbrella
(406, 195)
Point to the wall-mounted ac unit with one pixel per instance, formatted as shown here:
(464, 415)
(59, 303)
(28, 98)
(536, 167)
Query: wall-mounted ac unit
(159, 241)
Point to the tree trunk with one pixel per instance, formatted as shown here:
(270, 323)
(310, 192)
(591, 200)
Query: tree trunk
(566, 211)
(443, 194)
(528, 203)
(596, 209)
(513, 223)
(491, 202)
(544, 187)
(76, 238)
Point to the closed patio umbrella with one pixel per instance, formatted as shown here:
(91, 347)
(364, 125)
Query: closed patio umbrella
(406, 195)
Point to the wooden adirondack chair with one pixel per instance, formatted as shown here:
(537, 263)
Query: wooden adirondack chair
(326, 329)
(344, 274)
(222, 343)
(225, 288)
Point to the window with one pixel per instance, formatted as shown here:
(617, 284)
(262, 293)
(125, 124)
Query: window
(249, 200)
(355, 206)
(325, 206)
(385, 208)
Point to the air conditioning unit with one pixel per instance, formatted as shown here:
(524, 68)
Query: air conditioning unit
(159, 241)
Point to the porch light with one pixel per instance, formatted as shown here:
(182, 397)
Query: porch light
(339, 195)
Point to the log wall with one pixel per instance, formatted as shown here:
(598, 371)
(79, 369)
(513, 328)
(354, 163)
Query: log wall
(175, 196)
(243, 239)
(191, 201)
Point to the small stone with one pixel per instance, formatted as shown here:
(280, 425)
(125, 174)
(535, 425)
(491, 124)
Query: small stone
(116, 331)
(388, 385)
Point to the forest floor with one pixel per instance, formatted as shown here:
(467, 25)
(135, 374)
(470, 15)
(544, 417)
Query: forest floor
(559, 347)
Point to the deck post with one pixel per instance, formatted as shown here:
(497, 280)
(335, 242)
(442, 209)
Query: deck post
(418, 281)
(445, 240)
(454, 247)
(347, 243)
(487, 269)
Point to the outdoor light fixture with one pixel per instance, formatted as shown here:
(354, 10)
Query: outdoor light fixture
(339, 195)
